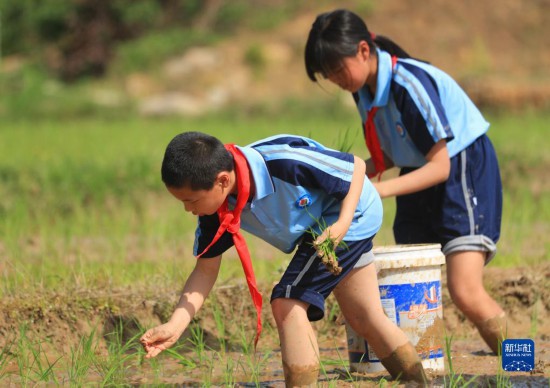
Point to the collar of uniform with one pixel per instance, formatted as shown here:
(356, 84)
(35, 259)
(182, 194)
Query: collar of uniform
(262, 179)
(383, 82)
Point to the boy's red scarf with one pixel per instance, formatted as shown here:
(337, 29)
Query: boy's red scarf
(230, 220)
(371, 138)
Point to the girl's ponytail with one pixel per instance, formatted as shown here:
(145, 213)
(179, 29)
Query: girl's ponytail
(390, 46)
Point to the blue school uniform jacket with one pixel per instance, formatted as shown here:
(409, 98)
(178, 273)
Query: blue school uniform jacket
(418, 105)
(297, 181)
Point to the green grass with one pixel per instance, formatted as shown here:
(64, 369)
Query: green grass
(83, 199)
(193, 360)
(83, 208)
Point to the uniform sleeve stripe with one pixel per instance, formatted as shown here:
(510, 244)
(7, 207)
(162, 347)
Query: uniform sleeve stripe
(281, 140)
(299, 173)
(319, 160)
(423, 91)
(413, 120)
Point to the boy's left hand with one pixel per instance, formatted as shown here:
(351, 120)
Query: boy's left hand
(159, 338)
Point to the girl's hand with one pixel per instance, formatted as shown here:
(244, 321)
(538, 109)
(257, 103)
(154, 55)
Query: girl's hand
(435, 171)
(159, 338)
(379, 188)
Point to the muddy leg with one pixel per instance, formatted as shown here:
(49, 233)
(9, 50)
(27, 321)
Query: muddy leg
(405, 364)
(300, 375)
(493, 331)
(299, 350)
(465, 282)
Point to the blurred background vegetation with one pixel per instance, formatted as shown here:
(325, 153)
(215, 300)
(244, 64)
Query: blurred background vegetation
(114, 57)
(92, 91)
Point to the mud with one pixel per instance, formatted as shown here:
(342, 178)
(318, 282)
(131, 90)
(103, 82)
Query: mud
(62, 320)
(493, 332)
(404, 364)
(300, 375)
(432, 339)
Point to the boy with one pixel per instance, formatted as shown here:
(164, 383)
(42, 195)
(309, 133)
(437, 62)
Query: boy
(277, 188)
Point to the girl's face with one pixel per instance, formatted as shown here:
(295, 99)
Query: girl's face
(354, 72)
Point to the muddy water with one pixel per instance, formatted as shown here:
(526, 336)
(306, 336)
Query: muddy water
(470, 357)
(466, 361)
(523, 292)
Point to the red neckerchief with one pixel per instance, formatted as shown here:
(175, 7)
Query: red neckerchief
(230, 220)
(371, 138)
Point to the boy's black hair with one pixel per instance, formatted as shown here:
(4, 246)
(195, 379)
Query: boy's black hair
(194, 160)
(336, 35)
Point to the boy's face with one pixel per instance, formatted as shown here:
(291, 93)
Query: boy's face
(201, 202)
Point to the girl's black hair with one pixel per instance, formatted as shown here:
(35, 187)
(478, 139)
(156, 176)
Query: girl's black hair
(336, 35)
(194, 160)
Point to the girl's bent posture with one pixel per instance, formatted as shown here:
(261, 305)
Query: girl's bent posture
(417, 118)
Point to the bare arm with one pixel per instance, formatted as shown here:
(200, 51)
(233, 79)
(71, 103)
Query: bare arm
(339, 229)
(196, 289)
(435, 171)
(370, 165)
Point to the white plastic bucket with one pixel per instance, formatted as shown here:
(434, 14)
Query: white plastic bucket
(409, 278)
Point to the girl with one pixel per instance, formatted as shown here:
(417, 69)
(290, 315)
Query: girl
(417, 118)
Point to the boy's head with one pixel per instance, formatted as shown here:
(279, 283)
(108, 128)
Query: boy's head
(197, 170)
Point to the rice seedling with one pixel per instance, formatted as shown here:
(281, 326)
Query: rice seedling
(34, 365)
(220, 325)
(228, 368)
(113, 367)
(182, 360)
(326, 249)
(252, 363)
(198, 342)
(5, 357)
(82, 358)
(345, 141)
(452, 379)
(502, 380)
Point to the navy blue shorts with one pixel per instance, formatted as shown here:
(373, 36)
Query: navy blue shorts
(462, 214)
(307, 279)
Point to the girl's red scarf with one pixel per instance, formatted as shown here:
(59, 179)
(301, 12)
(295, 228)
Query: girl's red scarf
(230, 221)
(371, 138)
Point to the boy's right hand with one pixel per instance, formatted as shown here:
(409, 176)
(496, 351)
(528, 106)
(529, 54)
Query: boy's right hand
(159, 338)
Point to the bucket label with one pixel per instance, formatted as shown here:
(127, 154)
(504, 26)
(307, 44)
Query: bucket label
(416, 308)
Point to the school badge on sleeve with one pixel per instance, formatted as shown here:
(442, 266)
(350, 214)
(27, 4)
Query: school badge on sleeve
(304, 201)
(400, 128)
